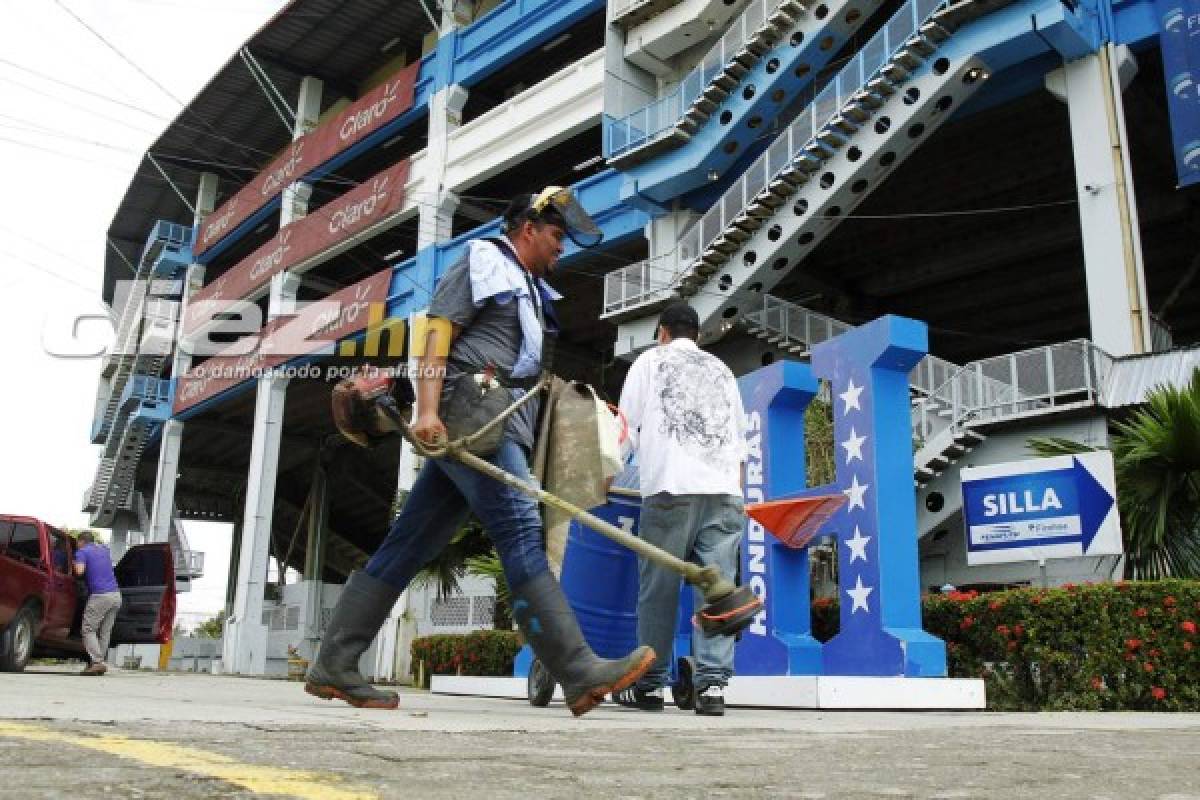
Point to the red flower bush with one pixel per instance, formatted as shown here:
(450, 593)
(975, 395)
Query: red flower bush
(1100, 647)
(477, 653)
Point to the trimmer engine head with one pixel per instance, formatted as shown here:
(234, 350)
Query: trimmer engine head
(729, 614)
(356, 410)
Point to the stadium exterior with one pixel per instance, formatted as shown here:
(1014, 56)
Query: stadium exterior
(1017, 173)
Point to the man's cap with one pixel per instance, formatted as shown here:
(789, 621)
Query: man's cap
(679, 314)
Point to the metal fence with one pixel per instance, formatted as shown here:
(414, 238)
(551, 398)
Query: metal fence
(1042, 379)
(784, 321)
(789, 321)
(637, 285)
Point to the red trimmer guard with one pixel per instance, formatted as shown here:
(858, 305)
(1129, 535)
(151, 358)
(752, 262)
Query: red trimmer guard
(795, 522)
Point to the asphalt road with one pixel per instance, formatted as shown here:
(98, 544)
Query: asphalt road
(144, 735)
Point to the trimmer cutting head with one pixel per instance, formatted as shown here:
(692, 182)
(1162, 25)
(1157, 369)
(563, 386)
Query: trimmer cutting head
(729, 614)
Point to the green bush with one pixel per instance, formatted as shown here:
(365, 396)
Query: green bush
(476, 653)
(1122, 646)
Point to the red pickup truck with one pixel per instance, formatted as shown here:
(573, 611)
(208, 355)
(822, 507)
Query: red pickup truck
(40, 602)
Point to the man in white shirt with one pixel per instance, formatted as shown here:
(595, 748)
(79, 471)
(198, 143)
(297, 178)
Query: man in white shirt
(687, 424)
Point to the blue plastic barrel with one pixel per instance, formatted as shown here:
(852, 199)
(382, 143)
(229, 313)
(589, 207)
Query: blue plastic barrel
(600, 579)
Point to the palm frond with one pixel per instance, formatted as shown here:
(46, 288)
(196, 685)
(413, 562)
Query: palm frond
(449, 566)
(1156, 457)
(1047, 446)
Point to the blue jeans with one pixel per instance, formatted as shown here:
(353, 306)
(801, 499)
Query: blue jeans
(705, 529)
(445, 490)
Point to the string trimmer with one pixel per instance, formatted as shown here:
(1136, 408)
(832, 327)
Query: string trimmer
(728, 608)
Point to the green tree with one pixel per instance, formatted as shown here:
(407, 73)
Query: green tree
(74, 533)
(211, 628)
(820, 466)
(1156, 455)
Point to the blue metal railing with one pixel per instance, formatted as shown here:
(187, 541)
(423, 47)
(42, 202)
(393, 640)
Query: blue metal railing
(648, 122)
(146, 391)
(824, 106)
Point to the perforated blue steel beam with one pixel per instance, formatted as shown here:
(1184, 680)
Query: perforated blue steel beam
(762, 93)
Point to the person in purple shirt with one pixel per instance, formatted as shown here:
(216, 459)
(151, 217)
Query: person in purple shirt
(93, 562)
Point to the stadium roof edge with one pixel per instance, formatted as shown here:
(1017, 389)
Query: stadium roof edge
(231, 129)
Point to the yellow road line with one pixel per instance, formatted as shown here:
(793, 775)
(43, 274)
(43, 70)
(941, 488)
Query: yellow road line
(258, 779)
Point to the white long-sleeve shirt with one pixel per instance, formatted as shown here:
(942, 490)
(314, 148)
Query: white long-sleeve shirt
(686, 421)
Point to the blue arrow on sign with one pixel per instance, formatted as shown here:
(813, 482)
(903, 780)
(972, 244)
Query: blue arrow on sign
(1094, 501)
(997, 503)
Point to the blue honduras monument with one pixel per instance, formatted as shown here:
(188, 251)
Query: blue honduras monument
(875, 529)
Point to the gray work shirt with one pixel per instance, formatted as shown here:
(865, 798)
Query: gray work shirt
(491, 334)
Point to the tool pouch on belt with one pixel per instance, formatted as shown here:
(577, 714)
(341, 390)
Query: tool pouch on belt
(473, 400)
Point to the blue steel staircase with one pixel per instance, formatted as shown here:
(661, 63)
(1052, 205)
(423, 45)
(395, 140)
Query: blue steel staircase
(137, 401)
(722, 108)
(899, 87)
(672, 119)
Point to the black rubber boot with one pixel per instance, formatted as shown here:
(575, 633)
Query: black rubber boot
(550, 627)
(360, 612)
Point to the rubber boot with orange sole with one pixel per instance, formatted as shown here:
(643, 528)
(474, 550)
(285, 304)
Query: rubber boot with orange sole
(361, 610)
(548, 623)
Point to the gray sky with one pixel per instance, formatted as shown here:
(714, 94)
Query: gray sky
(67, 159)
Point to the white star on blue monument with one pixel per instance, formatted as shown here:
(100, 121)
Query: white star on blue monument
(851, 397)
(859, 595)
(856, 492)
(854, 446)
(858, 545)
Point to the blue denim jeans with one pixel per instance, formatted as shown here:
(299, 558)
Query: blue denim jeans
(445, 490)
(704, 529)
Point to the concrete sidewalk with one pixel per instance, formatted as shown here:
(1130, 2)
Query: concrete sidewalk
(438, 746)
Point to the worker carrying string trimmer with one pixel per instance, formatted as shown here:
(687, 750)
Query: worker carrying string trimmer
(475, 419)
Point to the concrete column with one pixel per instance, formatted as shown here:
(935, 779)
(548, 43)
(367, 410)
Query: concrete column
(231, 581)
(436, 214)
(1112, 248)
(308, 111)
(314, 560)
(162, 510)
(119, 542)
(663, 235)
(245, 647)
(206, 197)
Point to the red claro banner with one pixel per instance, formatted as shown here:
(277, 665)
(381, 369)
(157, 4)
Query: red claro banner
(358, 120)
(319, 326)
(372, 202)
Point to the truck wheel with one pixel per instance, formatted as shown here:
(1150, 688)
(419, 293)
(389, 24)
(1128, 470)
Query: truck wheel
(683, 691)
(539, 685)
(16, 643)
